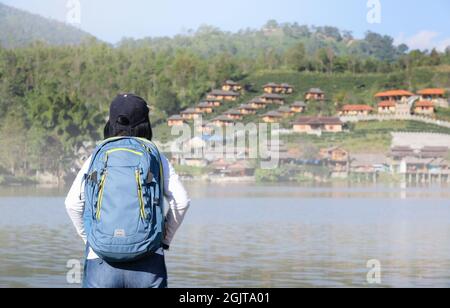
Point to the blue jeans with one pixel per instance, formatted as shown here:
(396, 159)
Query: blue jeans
(149, 272)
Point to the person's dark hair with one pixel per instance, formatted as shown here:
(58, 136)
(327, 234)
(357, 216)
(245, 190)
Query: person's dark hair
(129, 116)
(143, 130)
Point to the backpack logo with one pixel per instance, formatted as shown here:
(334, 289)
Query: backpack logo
(119, 233)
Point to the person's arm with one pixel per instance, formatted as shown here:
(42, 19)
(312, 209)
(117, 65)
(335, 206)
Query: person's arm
(75, 201)
(177, 199)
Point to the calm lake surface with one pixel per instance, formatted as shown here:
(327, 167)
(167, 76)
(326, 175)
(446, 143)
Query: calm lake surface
(255, 236)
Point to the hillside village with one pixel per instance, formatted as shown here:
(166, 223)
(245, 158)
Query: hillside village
(225, 107)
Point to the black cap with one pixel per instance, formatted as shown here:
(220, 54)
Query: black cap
(126, 112)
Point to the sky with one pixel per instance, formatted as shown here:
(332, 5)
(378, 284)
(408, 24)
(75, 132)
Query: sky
(422, 24)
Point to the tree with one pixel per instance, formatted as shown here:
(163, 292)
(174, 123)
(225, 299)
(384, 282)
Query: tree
(295, 57)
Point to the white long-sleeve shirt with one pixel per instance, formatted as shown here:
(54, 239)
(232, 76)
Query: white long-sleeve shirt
(174, 191)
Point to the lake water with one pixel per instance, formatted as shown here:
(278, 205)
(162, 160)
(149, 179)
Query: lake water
(255, 236)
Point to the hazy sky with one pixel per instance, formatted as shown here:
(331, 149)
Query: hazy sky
(419, 23)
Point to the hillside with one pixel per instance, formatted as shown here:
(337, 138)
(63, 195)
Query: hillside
(273, 39)
(19, 28)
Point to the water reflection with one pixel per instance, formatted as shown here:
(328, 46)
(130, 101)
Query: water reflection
(257, 236)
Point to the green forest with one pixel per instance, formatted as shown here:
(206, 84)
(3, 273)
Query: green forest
(56, 97)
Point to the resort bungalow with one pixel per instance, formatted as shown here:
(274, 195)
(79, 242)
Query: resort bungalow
(272, 117)
(356, 110)
(234, 114)
(424, 108)
(212, 102)
(437, 96)
(285, 111)
(271, 88)
(273, 99)
(387, 107)
(336, 158)
(258, 103)
(310, 125)
(246, 109)
(286, 88)
(398, 96)
(175, 120)
(222, 121)
(190, 114)
(298, 107)
(315, 94)
(230, 85)
(223, 95)
(204, 108)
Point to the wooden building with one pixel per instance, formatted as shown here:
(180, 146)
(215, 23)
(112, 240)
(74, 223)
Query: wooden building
(387, 107)
(204, 108)
(222, 121)
(272, 117)
(223, 95)
(298, 107)
(424, 108)
(175, 120)
(234, 114)
(212, 102)
(258, 103)
(310, 125)
(273, 98)
(286, 111)
(437, 96)
(315, 94)
(230, 85)
(247, 109)
(356, 110)
(190, 114)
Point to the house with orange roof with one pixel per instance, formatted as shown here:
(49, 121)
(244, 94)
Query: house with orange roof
(398, 97)
(437, 96)
(387, 107)
(356, 110)
(424, 108)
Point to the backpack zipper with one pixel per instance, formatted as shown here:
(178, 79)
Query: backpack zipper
(100, 194)
(140, 194)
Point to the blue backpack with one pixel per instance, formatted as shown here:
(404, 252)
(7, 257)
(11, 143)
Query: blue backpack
(124, 209)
